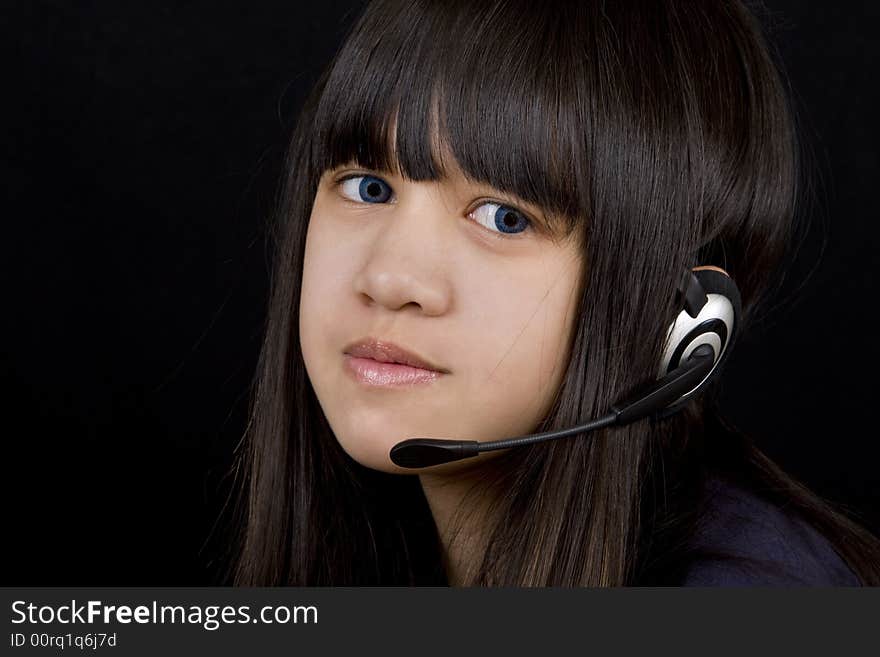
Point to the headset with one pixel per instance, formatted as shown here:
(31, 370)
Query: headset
(697, 344)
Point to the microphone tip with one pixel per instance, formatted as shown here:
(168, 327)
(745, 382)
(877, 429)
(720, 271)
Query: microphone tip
(423, 452)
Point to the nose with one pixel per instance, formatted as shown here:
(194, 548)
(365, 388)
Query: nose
(408, 257)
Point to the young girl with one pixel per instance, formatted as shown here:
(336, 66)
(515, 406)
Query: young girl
(505, 194)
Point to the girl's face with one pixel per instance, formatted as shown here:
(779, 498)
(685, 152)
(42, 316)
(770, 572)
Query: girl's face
(454, 271)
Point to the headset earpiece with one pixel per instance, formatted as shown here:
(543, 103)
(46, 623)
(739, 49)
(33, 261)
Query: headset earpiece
(711, 315)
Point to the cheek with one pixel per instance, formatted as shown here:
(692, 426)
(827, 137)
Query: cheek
(322, 286)
(527, 323)
(523, 344)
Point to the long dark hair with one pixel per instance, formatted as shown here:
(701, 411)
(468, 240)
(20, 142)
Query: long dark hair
(661, 134)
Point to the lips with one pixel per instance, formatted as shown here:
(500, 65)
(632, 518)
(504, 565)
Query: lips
(375, 374)
(385, 351)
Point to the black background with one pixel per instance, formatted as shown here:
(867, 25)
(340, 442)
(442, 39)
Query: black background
(142, 147)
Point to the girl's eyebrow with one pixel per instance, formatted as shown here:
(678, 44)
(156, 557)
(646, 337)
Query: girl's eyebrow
(354, 164)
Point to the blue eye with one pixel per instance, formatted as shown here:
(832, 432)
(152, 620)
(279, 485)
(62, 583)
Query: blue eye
(367, 189)
(501, 217)
(502, 220)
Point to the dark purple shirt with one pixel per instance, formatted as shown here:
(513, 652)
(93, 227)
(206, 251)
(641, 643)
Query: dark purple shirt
(772, 548)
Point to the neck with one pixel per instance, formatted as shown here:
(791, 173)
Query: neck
(461, 517)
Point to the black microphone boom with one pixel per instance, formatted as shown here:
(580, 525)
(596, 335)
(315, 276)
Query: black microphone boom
(423, 452)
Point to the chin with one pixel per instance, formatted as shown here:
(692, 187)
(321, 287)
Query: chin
(372, 455)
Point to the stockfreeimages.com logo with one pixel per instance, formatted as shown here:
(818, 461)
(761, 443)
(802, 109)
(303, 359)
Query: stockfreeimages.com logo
(209, 617)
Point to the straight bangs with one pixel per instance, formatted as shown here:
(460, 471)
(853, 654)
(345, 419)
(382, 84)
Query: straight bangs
(462, 80)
